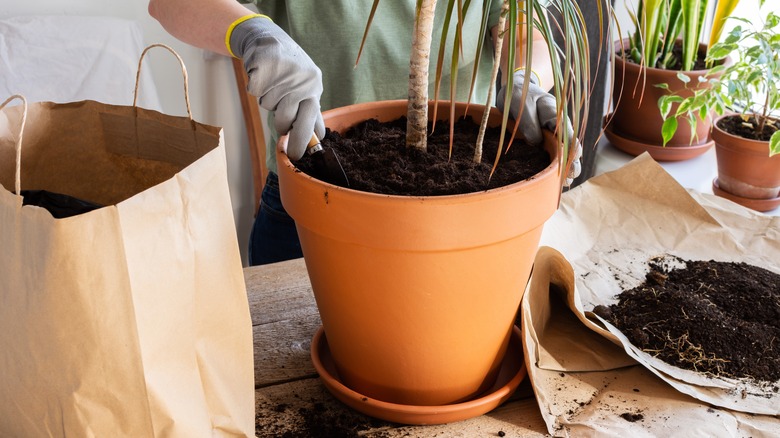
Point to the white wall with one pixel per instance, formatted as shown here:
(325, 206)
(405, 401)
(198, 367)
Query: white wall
(213, 92)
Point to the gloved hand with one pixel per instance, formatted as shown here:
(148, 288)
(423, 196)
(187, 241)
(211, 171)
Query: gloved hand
(539, 113)
(284, 79)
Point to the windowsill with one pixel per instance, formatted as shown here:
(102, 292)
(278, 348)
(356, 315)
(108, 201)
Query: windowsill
(695, 173)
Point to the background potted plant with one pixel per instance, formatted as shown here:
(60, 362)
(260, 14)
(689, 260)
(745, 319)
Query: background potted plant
(746, 97)
(418, 294)
(665, 43)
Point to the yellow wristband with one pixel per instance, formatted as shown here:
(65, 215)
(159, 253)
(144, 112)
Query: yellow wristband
(533, 72)
(236, 23)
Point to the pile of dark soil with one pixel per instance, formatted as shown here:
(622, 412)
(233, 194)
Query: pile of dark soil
(375, 159)
(717, 318)
(745, 128)
(316, 420)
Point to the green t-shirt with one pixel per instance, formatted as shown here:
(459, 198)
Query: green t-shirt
(330, 33)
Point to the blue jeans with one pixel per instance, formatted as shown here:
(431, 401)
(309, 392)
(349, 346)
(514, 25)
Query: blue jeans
(273, 237)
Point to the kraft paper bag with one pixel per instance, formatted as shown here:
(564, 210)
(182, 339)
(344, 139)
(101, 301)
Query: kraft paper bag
(130, 320)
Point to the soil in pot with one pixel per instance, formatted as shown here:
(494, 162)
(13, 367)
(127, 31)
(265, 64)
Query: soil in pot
(716, 318)
(745, 128)
(375, 158)
(698, 64)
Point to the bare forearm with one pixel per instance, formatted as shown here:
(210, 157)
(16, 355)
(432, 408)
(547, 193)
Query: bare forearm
(201, 23)
(540, 62)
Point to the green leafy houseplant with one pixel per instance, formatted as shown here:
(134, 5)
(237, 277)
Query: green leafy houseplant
(666, 39)
(749, 86)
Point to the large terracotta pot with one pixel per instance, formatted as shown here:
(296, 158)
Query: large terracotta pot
(417, 295)
(746, 173)
(636, 124)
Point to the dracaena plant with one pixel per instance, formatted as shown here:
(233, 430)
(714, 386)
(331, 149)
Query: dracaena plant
(750, 86)
(570, 61)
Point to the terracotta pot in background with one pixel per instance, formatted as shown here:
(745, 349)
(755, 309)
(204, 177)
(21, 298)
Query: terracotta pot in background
(417, 295)
(636, 124)
(747, 174)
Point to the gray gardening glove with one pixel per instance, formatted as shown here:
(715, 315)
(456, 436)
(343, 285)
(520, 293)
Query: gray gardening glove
(284, 79)
(539, 113)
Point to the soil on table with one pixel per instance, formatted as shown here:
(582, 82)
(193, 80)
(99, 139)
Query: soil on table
(375, 159)
(717, 318)
(735, 125)
(318, 420)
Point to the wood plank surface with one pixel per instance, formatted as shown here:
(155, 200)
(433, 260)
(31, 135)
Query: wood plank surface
(282, 350)
(291, 401)
(284, 320)
(279, 291)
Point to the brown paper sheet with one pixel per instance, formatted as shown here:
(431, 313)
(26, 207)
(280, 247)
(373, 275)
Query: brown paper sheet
(132, 319)
(607, 229)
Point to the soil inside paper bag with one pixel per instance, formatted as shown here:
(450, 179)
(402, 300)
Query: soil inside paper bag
(58, 204)
(716, 318)
(375, 159)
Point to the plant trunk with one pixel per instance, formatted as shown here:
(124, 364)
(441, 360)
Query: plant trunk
(493, 77)
(417, 112)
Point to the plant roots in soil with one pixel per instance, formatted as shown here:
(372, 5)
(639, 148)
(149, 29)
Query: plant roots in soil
(717, 318)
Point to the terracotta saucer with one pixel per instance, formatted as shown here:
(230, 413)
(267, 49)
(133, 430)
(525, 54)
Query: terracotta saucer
(768, 204)
(512, 372)
(659, 153)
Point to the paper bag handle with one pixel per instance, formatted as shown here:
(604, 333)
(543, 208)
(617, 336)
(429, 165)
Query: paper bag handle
(18, 181)
(183, 71)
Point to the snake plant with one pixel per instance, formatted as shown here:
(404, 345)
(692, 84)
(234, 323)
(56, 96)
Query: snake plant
(659, 23)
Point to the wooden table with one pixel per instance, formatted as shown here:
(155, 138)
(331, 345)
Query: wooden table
(290, 400)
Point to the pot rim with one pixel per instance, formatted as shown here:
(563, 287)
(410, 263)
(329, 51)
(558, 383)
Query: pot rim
(717, 131)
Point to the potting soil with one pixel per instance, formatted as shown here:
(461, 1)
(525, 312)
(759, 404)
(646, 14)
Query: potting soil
(375, 158)
(717, 318)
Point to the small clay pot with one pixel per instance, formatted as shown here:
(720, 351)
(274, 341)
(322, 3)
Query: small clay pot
(746, 173)
(635, 126)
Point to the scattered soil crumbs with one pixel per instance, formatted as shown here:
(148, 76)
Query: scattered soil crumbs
(632, 418)
(314, 418)
(375, 159)
(717, 318)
